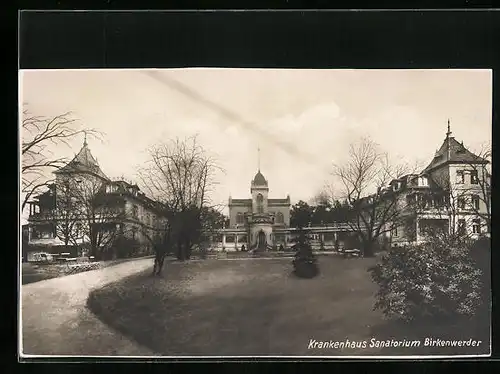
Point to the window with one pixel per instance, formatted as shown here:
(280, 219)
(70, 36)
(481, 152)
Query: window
(460, 177)
(476, 226)
(474, 177)
(78, 229)
(422, 181)
(395, 231)
(411, 199)
(475, 202)
(134, 232)
(461, 203)
(110, 188)
(239, 218)
(425, 201)
(260, 203)
(461, 227)
(396, 186)
(135, 211)
(279, 217)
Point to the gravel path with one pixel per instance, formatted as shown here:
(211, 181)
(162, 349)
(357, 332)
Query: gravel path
(56, 321)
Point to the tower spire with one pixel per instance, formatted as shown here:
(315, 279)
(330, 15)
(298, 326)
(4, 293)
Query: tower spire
(258, 158)
(85, 138)
(448, 140)
(449, 130)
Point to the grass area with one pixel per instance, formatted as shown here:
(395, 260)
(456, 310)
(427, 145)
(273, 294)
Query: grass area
(255, 307)
(33, 272)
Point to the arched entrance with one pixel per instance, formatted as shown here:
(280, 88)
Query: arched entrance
(261, 240)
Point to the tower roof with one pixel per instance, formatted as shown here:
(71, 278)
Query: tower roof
(259, 180)
(451, 151)
(83, 162)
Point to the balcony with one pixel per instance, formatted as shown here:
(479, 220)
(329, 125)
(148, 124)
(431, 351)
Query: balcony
(435, 209)
(41, 216)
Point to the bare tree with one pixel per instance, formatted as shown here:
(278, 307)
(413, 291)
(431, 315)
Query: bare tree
(101, 216)
(38, 135)
(322, 197)
(480, 186)
(67, 215)
(180, 176)
(364, 178)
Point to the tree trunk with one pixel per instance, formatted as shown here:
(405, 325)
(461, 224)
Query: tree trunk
(66, 242)
(180, 251)
(368, 248)
(187, 248)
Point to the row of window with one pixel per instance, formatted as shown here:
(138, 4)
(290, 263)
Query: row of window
(463, 202)
(461, 176)
(476, 226)
(426, 201)
(474, 202)
(240, 218)
(149, 218)
(462, 227)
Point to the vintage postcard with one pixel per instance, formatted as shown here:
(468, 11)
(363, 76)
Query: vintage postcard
(293, 213)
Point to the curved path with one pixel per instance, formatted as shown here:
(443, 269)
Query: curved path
(56, 321)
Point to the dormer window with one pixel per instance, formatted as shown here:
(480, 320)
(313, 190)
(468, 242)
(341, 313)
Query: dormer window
(110, 188)
(397, 186)
(423, 181)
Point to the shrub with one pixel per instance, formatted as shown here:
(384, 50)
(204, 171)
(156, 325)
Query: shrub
(125, 247)
(438, 278)
(305, 263)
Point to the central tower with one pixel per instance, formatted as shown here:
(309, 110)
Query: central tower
(260, 191)
(261, 220)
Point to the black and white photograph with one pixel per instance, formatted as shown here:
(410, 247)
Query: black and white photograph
(243, 213)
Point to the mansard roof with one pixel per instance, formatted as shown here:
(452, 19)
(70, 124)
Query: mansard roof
(83, 162)
(451, 151)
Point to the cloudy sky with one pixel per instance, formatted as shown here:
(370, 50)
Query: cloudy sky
(302, 120)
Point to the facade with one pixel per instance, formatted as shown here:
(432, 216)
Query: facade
(262, 223)
(259, 221)
(84, 207)
(451, 194)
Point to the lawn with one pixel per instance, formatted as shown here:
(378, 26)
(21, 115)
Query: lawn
(256, 308)
(36, 272)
